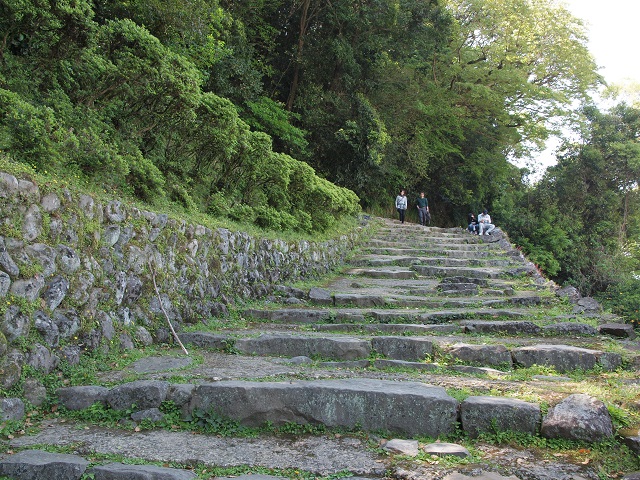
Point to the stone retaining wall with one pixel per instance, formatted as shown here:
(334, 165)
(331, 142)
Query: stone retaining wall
(81, 272)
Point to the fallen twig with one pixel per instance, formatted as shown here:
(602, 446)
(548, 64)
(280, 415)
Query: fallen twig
(175, 335)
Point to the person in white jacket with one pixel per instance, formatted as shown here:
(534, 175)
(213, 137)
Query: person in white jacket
(485, 227)
(401, 204)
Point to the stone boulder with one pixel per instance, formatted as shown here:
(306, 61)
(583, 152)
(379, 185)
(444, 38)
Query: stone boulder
(151, 415)
(206, 340)
(443, 449)
(15, 324)
(41, 358)
(402, 447)
(11, 409)
(578, 417)
(587, 305)
(46, 327)
(570, 293)
(6, 261)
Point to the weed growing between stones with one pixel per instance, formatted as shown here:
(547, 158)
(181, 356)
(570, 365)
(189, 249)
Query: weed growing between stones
(25, 306)
(609, 458)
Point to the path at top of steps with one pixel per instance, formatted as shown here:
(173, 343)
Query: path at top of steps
(424, 333)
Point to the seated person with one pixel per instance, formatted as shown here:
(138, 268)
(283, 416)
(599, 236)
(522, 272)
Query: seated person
(473, 224)
(485, 227)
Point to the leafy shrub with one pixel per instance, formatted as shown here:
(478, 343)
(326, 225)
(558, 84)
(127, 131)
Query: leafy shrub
(269, 217)
(242, 212)
(28, 131)
(145, 178)
(624, 299)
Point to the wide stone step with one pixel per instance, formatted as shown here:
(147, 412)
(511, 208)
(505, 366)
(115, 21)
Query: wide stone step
(431, 244)
(330, 455)
(438, 271)
(324, 315)
(40, 465)
(389, 272)
(334, 347)
(341, 348)
(455, 297)
(381, 261)
(462, 301)
(398, 328)
(563, 358)
(405, 407)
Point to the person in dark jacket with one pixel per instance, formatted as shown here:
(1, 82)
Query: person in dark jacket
(473, 223)
(423, 210)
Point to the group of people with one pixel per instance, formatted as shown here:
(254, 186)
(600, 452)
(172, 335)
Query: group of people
(422, 204)
(480, 226)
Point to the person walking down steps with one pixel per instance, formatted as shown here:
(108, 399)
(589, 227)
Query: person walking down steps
(401, 204)
(423, 210)
(485, 227)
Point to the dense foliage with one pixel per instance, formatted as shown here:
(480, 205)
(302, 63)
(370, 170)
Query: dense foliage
(581, 221)
(292, 113)
(82, 92)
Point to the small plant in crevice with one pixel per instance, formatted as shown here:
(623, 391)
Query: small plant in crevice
(209, 421)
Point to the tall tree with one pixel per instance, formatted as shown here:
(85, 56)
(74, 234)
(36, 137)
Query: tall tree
(583, 217)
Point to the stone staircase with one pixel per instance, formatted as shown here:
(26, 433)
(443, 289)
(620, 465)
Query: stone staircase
(429, 335)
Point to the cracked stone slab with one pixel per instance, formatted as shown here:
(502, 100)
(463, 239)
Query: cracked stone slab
(319, 455)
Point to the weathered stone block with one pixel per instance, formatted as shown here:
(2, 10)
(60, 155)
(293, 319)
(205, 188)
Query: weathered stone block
(81, 397)
(484, 414)
(620, 330)
(351, 299)
(212, 341)
(509, 327)
(563, 358)
(119, 471)
(443, 449)
(320, 296)
(342, 348)
(569, 328)
(406, 407)
(143, 394)
(494, 355)
(403, 348)
(15, 324)
(38, 465)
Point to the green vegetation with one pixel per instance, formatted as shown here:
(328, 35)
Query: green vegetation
(238, 112)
